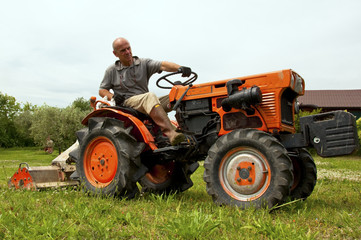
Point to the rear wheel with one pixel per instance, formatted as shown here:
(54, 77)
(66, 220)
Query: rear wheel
(305, 175)
(107, 158)
(247, 168)
(168, 177)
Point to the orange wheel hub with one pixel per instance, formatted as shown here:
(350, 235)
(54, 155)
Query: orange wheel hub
(244, 173)
(100, 162)
(160, 173)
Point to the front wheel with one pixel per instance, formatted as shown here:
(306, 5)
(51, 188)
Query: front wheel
(248, 167)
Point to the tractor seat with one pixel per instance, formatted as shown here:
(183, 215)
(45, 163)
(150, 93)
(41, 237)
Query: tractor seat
(141, 116)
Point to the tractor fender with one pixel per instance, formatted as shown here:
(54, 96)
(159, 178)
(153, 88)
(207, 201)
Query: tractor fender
(139, 131)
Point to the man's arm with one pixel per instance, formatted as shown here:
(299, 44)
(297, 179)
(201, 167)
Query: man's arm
(105, 92)
(169, 66)
(173, 67)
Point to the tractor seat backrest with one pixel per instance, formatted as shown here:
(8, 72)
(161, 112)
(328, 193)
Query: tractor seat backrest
(141, 116)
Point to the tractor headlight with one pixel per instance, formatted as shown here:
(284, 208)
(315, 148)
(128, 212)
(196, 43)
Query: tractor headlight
(292, 80)
(297, 83)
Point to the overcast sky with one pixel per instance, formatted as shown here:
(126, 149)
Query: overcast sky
(56, 51)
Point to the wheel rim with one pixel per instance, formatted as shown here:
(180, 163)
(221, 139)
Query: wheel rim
(100, 162)
(160, 173)
(244, 173)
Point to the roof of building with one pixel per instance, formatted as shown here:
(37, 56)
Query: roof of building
(331, 98)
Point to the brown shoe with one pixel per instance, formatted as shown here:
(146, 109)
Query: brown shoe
(177, 139)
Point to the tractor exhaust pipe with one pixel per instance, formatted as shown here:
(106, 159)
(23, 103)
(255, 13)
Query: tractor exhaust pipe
(243, 99)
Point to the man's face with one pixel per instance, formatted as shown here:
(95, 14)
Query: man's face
(123, 51)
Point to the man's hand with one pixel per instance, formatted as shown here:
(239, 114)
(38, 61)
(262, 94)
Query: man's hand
(119, 99)
(186, 71)
(105, 93)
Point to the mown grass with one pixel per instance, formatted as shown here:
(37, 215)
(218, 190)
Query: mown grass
(333, 211)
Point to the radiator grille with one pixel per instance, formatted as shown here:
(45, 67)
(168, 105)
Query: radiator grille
(269, 104)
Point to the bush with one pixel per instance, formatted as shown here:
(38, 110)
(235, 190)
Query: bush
(304, 114)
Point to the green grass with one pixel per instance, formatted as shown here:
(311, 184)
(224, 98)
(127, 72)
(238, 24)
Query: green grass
(333, 211)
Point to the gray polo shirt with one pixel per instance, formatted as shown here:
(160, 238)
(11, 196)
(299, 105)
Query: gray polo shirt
(132, 80)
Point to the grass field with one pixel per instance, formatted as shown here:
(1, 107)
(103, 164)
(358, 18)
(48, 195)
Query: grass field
(333, 211)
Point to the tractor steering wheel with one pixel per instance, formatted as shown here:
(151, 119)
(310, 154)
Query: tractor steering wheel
(189, 81)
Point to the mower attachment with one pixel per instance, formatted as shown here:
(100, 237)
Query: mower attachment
(41, 177)
(55, 175)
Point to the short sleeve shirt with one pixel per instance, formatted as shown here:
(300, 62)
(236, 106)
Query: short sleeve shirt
(130, 80)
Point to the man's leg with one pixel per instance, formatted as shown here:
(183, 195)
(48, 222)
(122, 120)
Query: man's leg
(164, 102)
(142, 102)
(160, 117)
(149, 103)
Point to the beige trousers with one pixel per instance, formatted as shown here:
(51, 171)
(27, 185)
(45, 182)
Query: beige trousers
(145, 102)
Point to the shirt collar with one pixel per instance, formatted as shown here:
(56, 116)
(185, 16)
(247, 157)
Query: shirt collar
(120, 66)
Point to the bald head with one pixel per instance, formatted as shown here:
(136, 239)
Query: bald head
(122, 50)
(118, 42)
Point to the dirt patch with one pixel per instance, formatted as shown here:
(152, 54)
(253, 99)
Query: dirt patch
(339, 175)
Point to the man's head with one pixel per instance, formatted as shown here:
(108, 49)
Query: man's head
(123, 51)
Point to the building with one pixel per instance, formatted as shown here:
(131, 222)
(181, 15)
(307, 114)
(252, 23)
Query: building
(331, 100)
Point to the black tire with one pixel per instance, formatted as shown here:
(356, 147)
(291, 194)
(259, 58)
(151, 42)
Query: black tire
(107, 158)
(248, 167)
(171, 177)
(305, 175)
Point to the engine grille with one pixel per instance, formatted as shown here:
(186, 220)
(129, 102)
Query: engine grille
(269, 104)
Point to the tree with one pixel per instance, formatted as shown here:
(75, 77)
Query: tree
(8, 110)
(71, 118)
(23, 122)
(31, 125)
(45, 122)
(60, 124)
(82, 104)
(8, 106)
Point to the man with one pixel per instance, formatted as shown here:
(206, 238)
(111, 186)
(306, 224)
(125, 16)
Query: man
(129, 76)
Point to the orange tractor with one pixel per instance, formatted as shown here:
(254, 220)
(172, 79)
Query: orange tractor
(243, 129)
